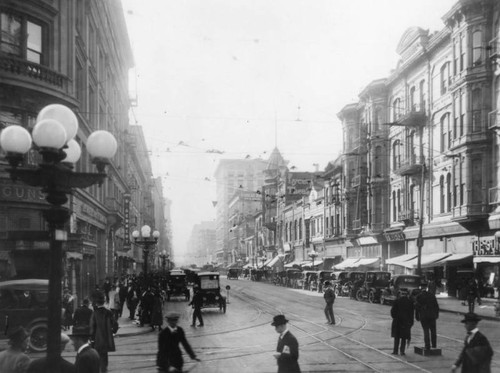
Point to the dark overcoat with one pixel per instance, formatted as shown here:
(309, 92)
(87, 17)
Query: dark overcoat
(476, 355)
(402, 313)
(87, 361)
(101, 329)
(169, 351)
(288, 361)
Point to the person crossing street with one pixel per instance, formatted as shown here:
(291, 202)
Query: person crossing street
(329, 296)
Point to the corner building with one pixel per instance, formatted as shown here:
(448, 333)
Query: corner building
(422, 151)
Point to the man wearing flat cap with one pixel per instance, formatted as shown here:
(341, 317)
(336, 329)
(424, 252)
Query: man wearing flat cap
(13, 359)
(169, 354)
(287, 351)
(477, 352)
(87, 359)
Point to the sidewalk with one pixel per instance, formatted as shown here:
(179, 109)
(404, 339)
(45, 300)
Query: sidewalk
(486, 310)
(130, 327)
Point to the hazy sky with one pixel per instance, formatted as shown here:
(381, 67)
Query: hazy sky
(239, 76)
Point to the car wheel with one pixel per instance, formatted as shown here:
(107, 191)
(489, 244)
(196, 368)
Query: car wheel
(359, 295)
(382, 299)
(38, 337)
(371, 296)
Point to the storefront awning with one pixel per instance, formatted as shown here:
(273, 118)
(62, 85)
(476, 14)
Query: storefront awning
(453, 259)
(348, 263)
(249, 265)
(294, 263)
(309, 263)
(486, 259)
(275, 260)
(400, 259)
(369, 240)
(365, 262)
(425, 260)
(73, 255)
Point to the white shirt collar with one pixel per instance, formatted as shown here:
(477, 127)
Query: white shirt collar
(81, 348)
(172, 329)
(284, 332)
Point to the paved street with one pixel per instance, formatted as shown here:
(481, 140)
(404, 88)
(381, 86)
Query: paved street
(242, 340)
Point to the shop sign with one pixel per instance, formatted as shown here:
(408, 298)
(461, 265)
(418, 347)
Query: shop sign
(485, 246)
(126, 220)
(394, 236)
(11, 192)
(86, 250)
(89, 211)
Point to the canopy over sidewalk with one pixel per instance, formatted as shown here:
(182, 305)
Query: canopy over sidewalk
(397, 260)
(348, 263)
(365, 262)
(425, 260)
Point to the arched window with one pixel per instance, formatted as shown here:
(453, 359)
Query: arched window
(295, 231)
(399, 201)
(422, 95)
(396, 109)
(377, 164)
(442, 195)
(300, 228)
(411, 200)
(413, 92)
(476, 110)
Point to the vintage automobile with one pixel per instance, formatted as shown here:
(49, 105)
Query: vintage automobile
(398, 283)
(354, 281)
(340, 280)
(293, 275)
(25, 302)
(177, 285)
(308, 280)
(233, 273)
(207, 283)
(375, 282)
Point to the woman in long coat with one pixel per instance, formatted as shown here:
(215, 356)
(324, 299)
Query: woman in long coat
(402, 313)
(157, 313)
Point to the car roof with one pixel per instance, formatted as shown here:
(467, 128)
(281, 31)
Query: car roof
(26, 284)
(208, 273)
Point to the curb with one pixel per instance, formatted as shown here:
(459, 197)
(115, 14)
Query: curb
(461, 313)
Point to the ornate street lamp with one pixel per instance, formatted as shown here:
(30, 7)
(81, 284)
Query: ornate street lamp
(53, 136)
(144, 238)
(313, 255)
(164, 258)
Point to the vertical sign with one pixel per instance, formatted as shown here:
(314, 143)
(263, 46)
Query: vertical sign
(126, 212)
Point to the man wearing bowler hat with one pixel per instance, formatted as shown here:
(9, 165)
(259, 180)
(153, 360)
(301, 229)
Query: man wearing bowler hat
(169, 356)
(329, 296)
(87, 359)
(287, 351)
(477, 352)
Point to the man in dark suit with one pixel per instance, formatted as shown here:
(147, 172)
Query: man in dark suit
(169, 353)
(197, 303)
(477, 352)
(329, 296)
(287, 351)
(102, 327)
(402, 313)
(87, 359)
(41, 366)
(82, 314)
(427, 312)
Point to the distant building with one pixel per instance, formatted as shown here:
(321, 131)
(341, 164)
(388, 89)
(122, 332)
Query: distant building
(201, 245)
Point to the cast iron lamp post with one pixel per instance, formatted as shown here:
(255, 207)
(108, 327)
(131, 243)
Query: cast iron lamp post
(53, 137)
(144, 238)
(313, 255)
(164, 257)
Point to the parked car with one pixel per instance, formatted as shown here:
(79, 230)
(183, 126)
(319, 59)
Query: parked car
(209, 286)
(398, 283)
(233, 273)
(325, 275)
(293, 275)
(25, 303)
(354, 281)
(340, 280)
(177, 285)
(375, 282)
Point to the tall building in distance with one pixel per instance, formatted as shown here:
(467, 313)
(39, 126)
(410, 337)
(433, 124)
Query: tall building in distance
(232, 175)
(201, 244)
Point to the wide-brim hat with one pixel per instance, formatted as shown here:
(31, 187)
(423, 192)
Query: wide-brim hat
(80, 331)
(471, 317)
(173, 316)
(18, 335)
(279, 320)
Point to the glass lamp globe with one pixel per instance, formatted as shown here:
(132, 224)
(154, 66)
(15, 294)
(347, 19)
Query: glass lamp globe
(73, 152)
(49, 133)
(63, 115)
(146, 231)
(102, 144)
(156, 234)
(135, 234)
(15, 139)
(164, 252)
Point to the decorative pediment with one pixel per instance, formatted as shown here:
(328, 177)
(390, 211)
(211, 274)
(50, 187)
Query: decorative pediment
(413, 40)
